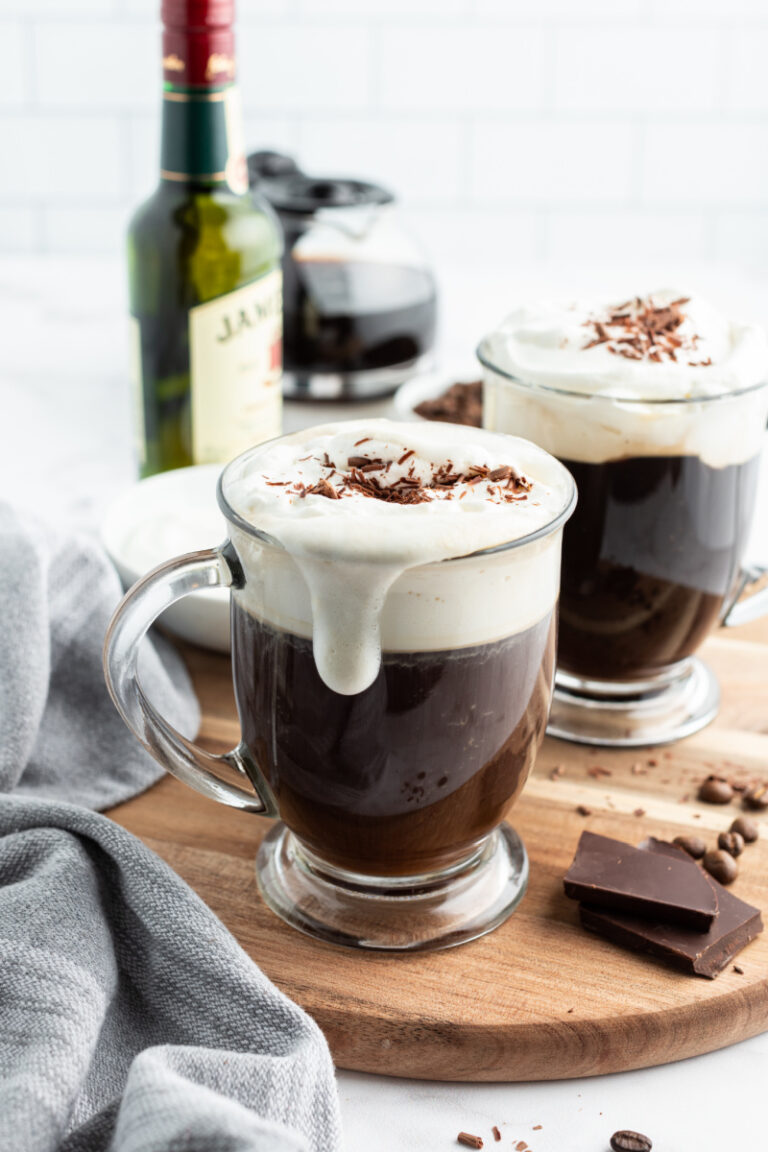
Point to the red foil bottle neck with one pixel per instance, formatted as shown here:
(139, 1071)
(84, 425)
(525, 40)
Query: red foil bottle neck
(198, 42)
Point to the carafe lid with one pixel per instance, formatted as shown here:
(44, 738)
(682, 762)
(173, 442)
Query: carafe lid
(288, 189)
(270, 165)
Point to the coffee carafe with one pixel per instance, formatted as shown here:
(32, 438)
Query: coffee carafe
(359, 299)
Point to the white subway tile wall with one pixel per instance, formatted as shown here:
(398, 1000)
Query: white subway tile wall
(511, 129)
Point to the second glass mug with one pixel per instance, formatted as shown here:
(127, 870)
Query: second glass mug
(652, 559)
(391, 801)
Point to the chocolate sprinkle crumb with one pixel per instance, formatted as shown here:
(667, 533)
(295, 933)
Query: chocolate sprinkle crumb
(469, 1141)
(496, 1133)
(583, 810)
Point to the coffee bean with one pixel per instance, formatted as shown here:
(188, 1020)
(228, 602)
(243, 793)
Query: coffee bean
(626, 1141)
(693, 845)
(716, 790)
(721, 865)
(746, 828)
(731, 842)
(756, 797)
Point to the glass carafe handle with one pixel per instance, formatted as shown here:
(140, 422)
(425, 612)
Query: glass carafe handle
(233, 778)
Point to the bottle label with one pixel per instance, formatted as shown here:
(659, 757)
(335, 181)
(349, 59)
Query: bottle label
(235, 344)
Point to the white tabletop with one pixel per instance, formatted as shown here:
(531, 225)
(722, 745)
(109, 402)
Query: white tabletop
(65, 450)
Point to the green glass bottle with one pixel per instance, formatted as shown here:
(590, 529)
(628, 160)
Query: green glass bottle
(204, 264)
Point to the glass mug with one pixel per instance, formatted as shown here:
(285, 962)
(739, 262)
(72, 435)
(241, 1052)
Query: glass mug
(391, 801)
(652, 558)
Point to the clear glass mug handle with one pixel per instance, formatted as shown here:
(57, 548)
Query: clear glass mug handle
(233, 778)
(745, 606)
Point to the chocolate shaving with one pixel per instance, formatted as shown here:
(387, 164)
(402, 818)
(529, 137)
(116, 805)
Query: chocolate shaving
(645, 332)
(410, 488)
(322, 488)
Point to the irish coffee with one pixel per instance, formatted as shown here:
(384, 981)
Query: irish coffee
(393, 598)
(393, 678)
(655, 405)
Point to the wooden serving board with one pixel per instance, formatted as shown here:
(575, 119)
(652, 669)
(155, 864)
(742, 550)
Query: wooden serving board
(539, 998)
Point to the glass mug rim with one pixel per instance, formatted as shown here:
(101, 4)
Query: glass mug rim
(232, 516)
(630, 401)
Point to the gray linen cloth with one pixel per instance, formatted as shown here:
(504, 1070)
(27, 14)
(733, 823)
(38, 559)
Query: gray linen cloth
(61, 736)
(130, 1019)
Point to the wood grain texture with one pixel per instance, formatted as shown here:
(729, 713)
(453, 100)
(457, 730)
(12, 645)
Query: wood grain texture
(539, 998)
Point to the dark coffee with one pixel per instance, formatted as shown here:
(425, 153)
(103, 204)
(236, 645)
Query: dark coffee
(352, 316)
(649, 557)
(406, 776)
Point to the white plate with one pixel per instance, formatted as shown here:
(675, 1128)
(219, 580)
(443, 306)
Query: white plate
(162, 517)
(428, 385)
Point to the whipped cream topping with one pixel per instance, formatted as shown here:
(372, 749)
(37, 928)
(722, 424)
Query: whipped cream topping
(666, 346)
(363, 508)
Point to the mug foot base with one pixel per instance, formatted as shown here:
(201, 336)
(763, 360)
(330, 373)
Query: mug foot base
(396, 914)
(634, 714)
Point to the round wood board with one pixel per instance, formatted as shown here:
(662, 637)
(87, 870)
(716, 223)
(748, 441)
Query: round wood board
(539, 998)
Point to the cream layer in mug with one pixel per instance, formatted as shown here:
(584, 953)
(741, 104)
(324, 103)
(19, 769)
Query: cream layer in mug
(360, 574)
(590, 387)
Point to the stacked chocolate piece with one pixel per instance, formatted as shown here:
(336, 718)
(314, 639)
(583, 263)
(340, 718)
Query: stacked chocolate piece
(656, 899)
